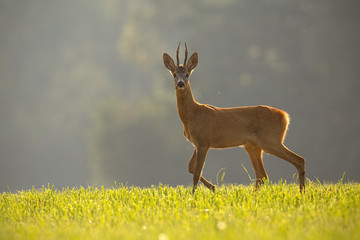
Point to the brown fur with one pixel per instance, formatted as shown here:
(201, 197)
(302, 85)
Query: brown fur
(257, 128)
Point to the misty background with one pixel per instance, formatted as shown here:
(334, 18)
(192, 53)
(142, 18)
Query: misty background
(85, 98)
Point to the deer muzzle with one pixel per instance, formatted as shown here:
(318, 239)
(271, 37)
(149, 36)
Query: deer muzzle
(180, 84)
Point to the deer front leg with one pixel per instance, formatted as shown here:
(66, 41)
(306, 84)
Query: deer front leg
(200, 162)
(191, 166)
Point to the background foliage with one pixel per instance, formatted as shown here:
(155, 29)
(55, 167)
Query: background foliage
(84, 97)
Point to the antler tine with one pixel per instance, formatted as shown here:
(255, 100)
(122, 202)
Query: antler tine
(186, 53)
(177, 55)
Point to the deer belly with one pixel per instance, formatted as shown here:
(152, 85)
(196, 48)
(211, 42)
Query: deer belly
(226, 144)
(227, 140)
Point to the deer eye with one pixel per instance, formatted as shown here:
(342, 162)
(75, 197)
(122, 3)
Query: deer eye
(187, 75)
(174, 74)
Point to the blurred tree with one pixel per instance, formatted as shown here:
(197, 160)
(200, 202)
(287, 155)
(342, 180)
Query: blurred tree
(256, 53)
(83, 82)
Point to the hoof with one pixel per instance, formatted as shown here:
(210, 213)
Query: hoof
(302, 189)
(194, 188)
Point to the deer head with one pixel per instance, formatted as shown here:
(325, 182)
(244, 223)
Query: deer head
(181, 72)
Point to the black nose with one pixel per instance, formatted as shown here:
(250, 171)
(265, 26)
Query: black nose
(181, 84)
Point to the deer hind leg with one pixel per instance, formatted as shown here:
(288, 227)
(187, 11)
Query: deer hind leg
(283, 152)
(255, 154)
(192, 165)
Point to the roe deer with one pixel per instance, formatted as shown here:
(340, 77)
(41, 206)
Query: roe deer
(257, 128)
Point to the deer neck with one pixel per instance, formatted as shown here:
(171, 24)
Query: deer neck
(186, 103)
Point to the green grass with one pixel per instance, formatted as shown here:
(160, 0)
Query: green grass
(276, 211)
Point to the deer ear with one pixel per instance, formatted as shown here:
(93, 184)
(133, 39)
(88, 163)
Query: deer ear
(169, 62)
(193, 61)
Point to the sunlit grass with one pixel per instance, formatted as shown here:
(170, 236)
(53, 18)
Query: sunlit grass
(276, 211)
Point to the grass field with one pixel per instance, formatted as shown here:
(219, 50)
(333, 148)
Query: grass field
(276, 211)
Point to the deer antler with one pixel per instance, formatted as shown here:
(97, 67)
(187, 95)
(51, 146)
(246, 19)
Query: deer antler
(177, 55)
(186, 53)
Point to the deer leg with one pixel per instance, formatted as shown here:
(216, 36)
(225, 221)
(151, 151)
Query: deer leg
(200, 162)
(191, 167)
(283, 152)
(255, 154)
